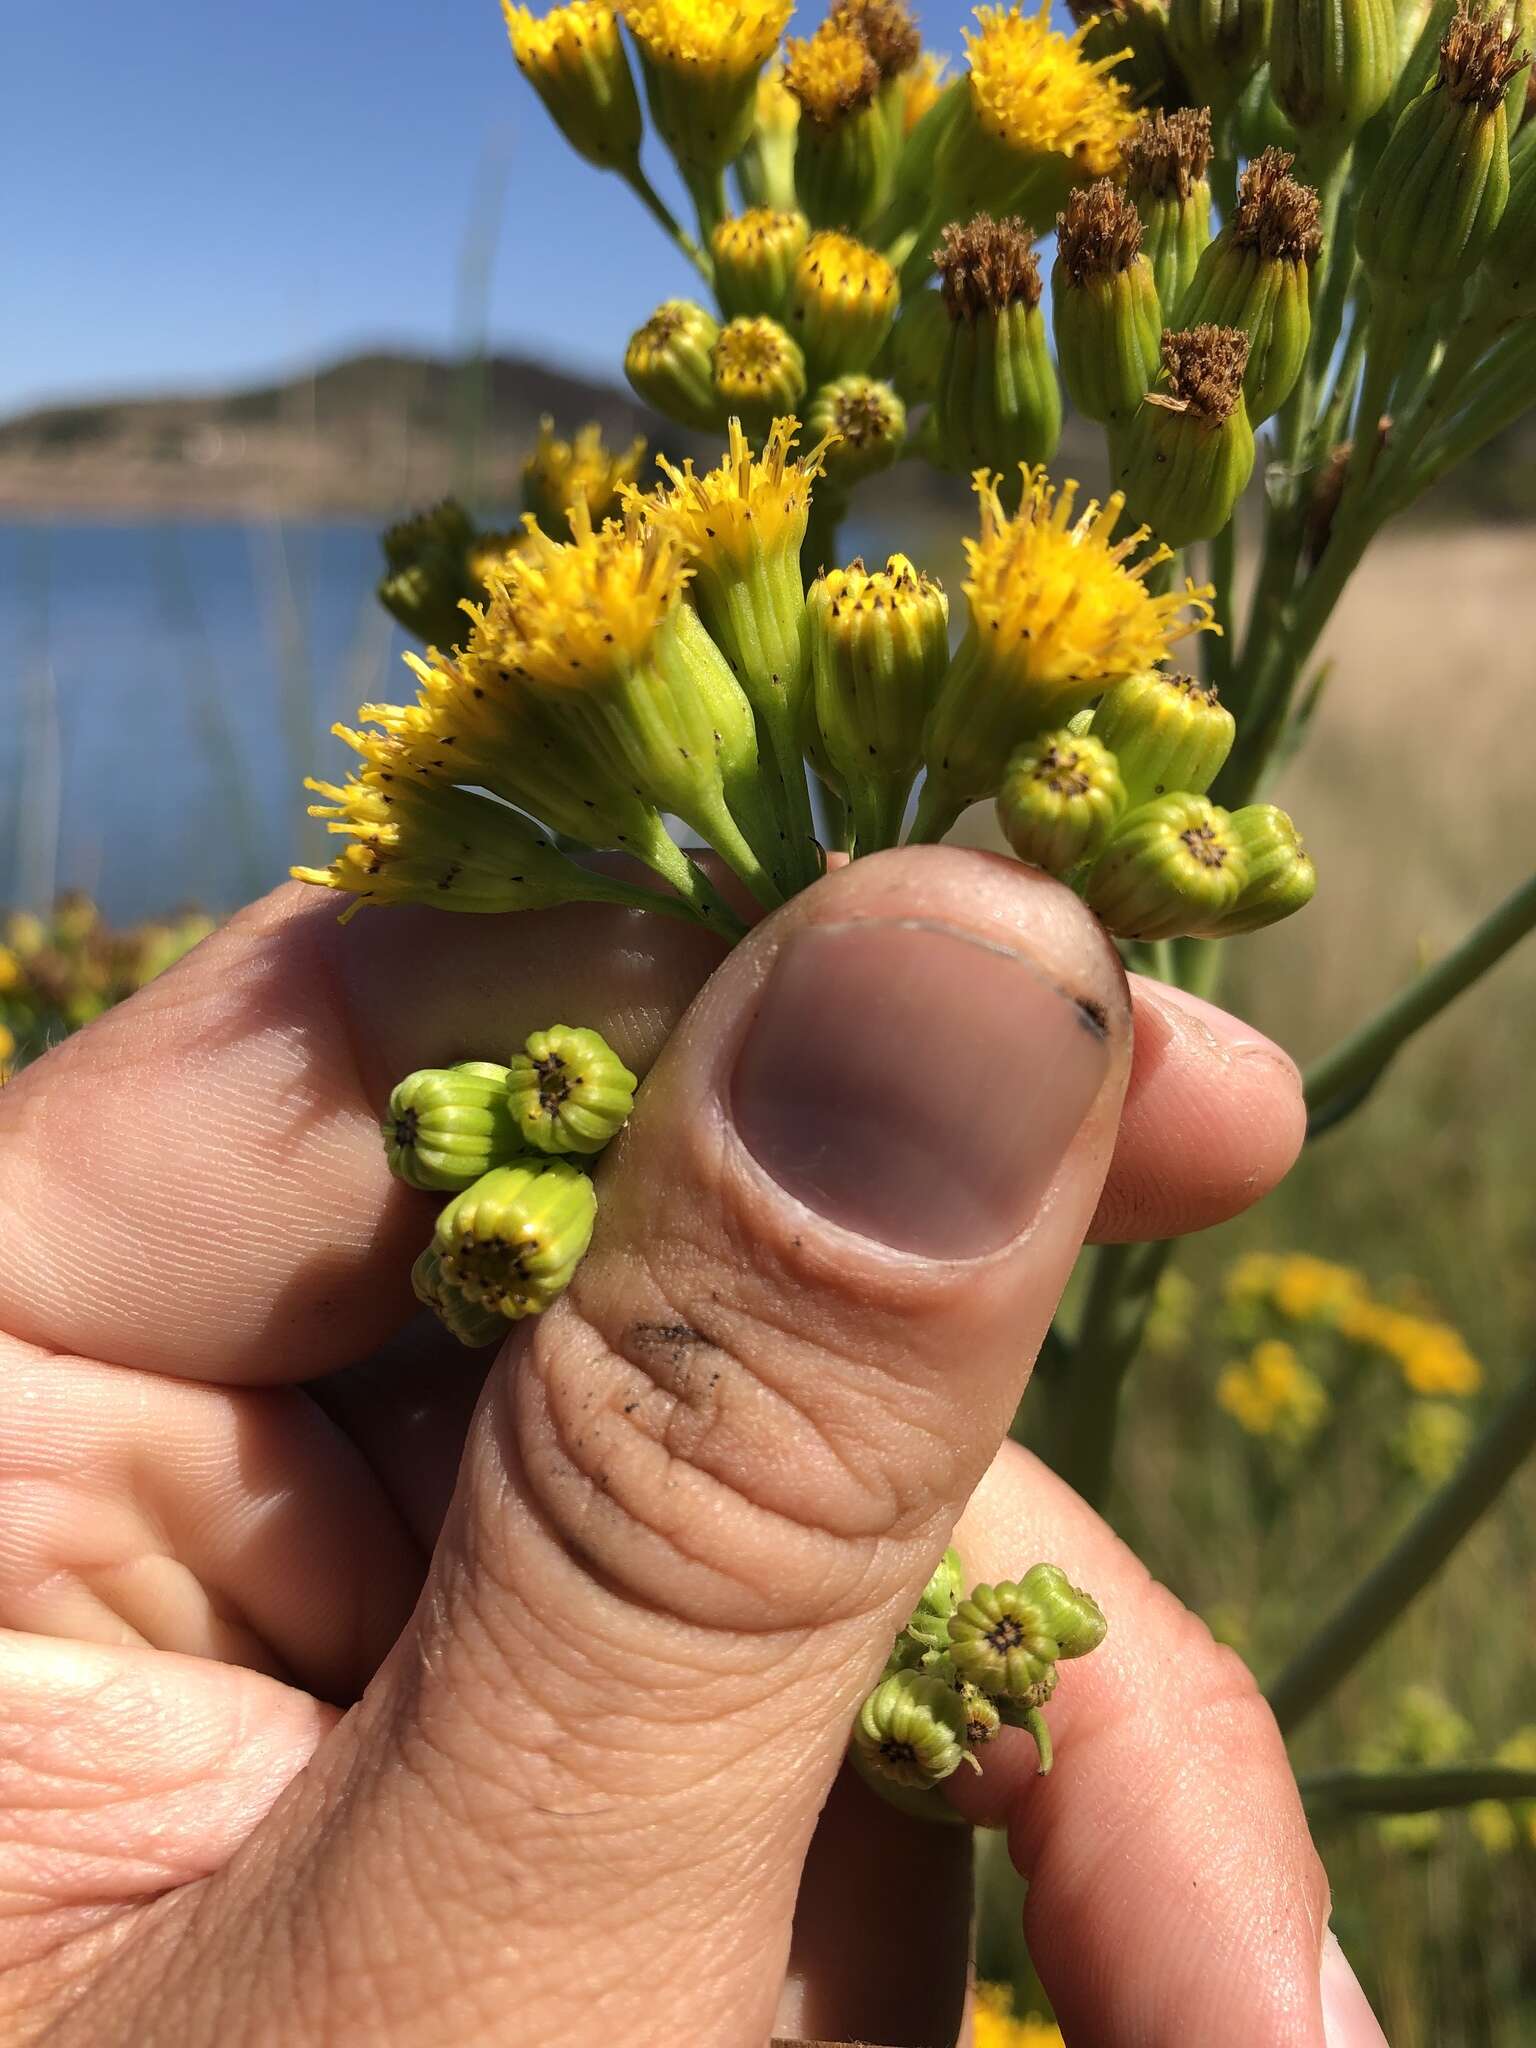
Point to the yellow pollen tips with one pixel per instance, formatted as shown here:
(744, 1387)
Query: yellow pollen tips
(1035, 92)
(838, 267)
(565, 36)
(559, 473)
(717, 37)
(832, 74)
(747, 505)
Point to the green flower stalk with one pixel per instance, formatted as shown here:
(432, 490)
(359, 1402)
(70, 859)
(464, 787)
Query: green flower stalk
(474, 1326)
(428, 573)
(1134, 35)
(879, 646)
(759, 373)
(1169, 731)
(912, 1731)
(568, 1091)
(754, 257)
(669, 363)
(845, 157)
(1256, 275)
(1174, 869)
(1166, 162)
(864, 425)
(446, 1126)
(1104, 305)
(765, 170)
(1187, 454)
(1331, 66)
(915, 347)
(842, 301)
(1219, 45)
(574, 59)
(997, 398)
(1061, 798)
(512, 1241)
(1280, 877)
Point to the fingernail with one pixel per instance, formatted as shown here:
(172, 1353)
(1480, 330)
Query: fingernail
(915, 1085)
(1348, 2021)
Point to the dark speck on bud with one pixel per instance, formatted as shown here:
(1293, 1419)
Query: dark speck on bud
(568, 1090)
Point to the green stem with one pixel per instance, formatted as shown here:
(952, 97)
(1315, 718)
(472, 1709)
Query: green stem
(1334, 1795)
(1501, 1447)
(730, 842)
(937, 810)
(1080, 1439)
(1354, 1066)
(666, 220)
(1505, 386)
(666, 858)
(879, 806)
(1216, 648)
(707, 191)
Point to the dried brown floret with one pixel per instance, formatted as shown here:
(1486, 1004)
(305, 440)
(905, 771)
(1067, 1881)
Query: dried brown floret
(1275, 213)
(986, 265)
(832, 75)
(1169, 153)
(886, 30)
(1204, 367)
(1477, 60)
(1098, 234)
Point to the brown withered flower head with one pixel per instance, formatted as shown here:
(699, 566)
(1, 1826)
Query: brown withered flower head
(1169, 153)
(985, 265)
(1204, 367)
(1275, 213)
(1098, 234)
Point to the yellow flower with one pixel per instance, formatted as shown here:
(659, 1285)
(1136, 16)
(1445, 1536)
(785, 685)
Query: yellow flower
(1499, 1827)
(758, 371)
(1273, 1394)
(1033, 91)
(923, 84)
(746, 507)
(995, 2025)
(1306, 1290)
(575, 60)
(1251, 1278)
(559, 473)
(1423, 1732)
(843, 297)
(7, 1043)
(1431, 1356)
(10, 969)
(701, 60)
(831, 73)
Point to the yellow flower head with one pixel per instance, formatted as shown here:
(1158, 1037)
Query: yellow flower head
(1432, 1440)
(1273, 1394)
(574, 615)
(758, 369)
(10, 969)
(831, 74)
(1308, 1290)
(7, 1047)
(838, 269)
(995, 2024)
(574, 58)
(1033, 90)
(924, 82)
(741, 237)
(723, 39)
(1059, 598)
(559, 473)
(745, 507)
(1432, 1357)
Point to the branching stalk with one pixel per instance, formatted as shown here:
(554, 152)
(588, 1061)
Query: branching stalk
(1338, 1795)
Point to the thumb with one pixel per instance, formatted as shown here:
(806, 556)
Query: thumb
(703, 1491)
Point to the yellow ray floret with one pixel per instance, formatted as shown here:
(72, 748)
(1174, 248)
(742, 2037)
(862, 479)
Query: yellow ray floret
(719, 38)
(831, 74)
(1035, 92)
(748, 504)
(577, 615)
(1062, 595)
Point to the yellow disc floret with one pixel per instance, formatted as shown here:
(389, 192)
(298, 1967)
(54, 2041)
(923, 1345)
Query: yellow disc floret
(831, 73)
(747, 505)
(559, 474)
(1034, 91)
(728, 38)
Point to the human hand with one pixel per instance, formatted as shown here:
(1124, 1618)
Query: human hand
(614, 1604)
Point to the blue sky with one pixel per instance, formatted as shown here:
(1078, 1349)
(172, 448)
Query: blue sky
(203, 195)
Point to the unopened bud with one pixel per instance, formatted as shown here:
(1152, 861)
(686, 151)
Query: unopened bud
(1281, 877)
(941, 1595)
(1166, 165)
(668, 363)
(754, 255)
(574, 59)
(842, 300)
(845, 156)
(1061, 798)
(428, 573)
(912, 1730)
(448, 1125)
(864, 424)
(1219, 45)
(759, 374)
(568, 1090)
(915, 348)
(1072, 1616)
(1188, 452)
(1255, 276)
(1331, 66)
(1169, 732)
(1000, 1640)
(1509, 273)
(473, 1325)
(983, 1722)
(1104, 304)
(997, 399)
(1172, 870)
(512, 1241)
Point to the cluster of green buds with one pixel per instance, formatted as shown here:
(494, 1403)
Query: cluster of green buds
(1115, 803)
(966, 1666)
(512, 1146)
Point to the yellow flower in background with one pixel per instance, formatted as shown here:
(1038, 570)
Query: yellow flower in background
(994, 2023)
(1251, 1278)
(1171, 1321)
(730, 40)
(1273, 1394)
(560, 474)
(923, 84)
(1423, 1731)
(1034, 91)
(1310, 1290)
(7, 1043)
(10, 969)
(1432, 1440)
(1498, 1827)
(1431, 1356)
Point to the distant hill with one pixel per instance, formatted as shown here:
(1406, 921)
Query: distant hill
(377, 433)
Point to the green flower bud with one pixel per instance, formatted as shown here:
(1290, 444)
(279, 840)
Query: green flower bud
(842, 301)
(668, 364)
(982, 1719)
(997, 399)
(1173, 870)
(869, 425)
(759, 374)
(1166, 162)
(912, 1730)
(879, 647)
(1281, 878)
(1219, 44)
(1072, 1616)
(1509, 272)
(915, 348)
(845, 157)
(1255, 276)
(1104, 304)
(428, 573)
(1187, 454)
(473, 1325)
(1428, 214)
(512, 1241)
(1169, 732)
(568, 1090)
(1061, 798)
(754, 255)
(1424, 28)
(1331, 65)
(449, 1125)
(1001, 1641)
(1135, 34)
